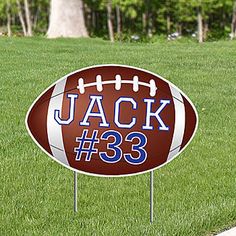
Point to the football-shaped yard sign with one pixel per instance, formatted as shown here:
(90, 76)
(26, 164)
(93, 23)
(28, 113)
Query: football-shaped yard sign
(112, 120)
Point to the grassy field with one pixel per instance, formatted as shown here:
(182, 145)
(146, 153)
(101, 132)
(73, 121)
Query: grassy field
(194, 195)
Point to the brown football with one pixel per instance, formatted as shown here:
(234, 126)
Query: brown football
(112, 120)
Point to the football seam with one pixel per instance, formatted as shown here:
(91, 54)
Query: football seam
(76, 88)
(114, 82)
(118, 82)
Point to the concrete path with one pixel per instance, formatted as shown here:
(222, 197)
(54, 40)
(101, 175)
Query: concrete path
(231, 232)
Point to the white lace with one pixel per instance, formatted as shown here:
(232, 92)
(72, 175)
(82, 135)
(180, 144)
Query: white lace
(118, 82)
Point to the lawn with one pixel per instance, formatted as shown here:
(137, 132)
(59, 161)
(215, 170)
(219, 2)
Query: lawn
(194, 195)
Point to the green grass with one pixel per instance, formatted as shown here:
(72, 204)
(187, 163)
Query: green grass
(194, 195)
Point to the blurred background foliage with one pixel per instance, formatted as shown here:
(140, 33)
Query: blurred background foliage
(132, 20)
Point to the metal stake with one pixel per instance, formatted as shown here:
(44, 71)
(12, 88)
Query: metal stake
(151, 196)
(75, 191)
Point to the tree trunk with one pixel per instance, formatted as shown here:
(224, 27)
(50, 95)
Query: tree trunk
(8, 11)
(179, 27)
(168, 23)
(88, 16)
(168, 20)
(93, 19)
(144, 22)
(199, 22)
(109, 21)
(222, 24)
(233, 24)
(118, 17)
(150, 25)
(28, 18)
(36, 16)
(146, 17)
(22, 21)
(67, 19)
(205, 31)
